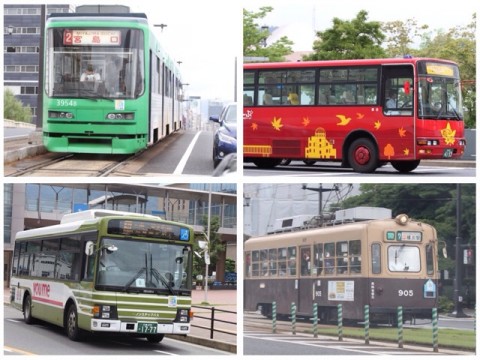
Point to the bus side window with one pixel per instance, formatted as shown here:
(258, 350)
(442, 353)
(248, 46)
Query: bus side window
(376, 260)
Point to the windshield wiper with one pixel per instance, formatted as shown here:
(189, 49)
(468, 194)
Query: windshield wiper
(164, 281)
(130, 282)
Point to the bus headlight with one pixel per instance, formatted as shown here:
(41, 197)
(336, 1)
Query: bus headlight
(104, 312)
(183, 315)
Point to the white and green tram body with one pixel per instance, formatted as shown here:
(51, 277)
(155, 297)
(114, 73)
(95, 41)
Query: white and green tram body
(103, 271)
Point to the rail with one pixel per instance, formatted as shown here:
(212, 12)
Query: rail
(214, 320)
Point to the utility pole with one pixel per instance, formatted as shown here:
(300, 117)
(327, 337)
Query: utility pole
(458, 311)
(320, 191)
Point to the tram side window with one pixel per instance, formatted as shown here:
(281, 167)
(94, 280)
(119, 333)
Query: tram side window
(305, 261)
(264, 262)
(342, 257)
(292, 261)
(282, 261)
(376, 259)
(429, 258)
(355, 256)
(255, 263)
(329, 259)
(272, 258)
(317, 259)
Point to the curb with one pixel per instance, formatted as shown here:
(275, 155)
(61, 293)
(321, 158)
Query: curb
(22, 153)
(219, 345)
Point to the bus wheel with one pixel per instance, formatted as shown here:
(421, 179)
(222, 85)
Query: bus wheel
(405, 166)
(267, 163)
(27, 310)
(363, 155)
(154, 339)
(71, 325)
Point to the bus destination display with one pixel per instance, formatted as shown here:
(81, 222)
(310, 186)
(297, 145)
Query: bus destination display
(148, 229)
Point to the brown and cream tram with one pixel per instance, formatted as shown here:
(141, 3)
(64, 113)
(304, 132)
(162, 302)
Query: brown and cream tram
(380, 263)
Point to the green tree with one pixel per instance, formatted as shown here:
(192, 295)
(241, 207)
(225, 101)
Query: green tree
(14, 109)
(355, 39)
(435, 204)
(215, 247)
(254, 38)
(400, 35)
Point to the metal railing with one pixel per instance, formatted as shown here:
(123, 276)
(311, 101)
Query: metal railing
(214, 320)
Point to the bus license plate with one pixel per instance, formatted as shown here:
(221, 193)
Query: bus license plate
(447, 153)
(147, 328)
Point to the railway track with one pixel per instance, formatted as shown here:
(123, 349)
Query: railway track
(81, 165)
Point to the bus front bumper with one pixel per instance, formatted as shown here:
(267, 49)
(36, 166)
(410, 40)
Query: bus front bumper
(105, 325)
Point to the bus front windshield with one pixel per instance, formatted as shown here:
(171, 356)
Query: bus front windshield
(132, 265)
(439, 96)
(94, 63)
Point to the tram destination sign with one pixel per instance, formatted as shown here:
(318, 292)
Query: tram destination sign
(91, 37)
(149, 229)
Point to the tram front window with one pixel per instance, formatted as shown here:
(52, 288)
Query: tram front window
(402, 258)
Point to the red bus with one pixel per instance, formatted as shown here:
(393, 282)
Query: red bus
(363, 113)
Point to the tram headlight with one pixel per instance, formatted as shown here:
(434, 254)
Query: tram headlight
(120, 116)
(401, 219)
(60, 114)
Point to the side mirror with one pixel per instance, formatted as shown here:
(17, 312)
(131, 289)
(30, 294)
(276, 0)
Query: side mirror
(89, 248)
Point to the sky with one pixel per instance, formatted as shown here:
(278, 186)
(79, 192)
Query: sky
(302, 18)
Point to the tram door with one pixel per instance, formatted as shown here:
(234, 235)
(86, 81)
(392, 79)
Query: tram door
(306, 282)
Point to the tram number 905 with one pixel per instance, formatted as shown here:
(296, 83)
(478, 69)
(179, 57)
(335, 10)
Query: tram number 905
(405, 292)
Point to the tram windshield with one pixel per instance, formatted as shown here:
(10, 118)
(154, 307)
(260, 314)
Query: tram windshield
(94, 63)
(403, 258)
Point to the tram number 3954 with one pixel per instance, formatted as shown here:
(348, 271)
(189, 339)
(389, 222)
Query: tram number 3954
(405, 292)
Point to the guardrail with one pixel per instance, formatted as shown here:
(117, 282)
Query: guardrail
(213, 320)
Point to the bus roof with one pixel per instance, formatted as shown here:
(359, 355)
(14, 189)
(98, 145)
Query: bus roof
(100, 213)
(328, 63)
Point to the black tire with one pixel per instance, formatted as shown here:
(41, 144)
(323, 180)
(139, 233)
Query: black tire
(155, 339)
(27, 310)
(267, 163)
(363, 155)
(405, 166)
(71, 324)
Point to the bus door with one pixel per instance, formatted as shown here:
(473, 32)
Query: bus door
(397, 100)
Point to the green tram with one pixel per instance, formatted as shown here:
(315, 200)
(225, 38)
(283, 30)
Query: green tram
(109, 86)
(104, 271)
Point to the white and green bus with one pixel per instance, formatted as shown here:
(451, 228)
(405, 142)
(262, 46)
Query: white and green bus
(102, 271)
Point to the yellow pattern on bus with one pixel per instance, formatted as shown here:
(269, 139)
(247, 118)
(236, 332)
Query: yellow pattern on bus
(263, 150)
(319, 147)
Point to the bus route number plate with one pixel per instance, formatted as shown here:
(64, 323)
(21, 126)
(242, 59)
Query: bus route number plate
(147, 328)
